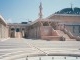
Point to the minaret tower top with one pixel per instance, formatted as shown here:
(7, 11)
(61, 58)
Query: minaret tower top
(40, 11)
(71, 5)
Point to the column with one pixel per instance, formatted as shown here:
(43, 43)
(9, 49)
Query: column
(15, 33)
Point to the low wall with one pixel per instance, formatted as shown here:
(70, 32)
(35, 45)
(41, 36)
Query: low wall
(55, 33)
(48, 33)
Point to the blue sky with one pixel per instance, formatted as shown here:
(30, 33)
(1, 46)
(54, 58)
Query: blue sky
(16, 11)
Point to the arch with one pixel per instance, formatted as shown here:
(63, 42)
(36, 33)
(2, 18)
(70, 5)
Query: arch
(12, 29)
(45, 24)
(17, 30)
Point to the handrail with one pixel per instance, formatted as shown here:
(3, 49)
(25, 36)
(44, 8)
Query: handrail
(70, 34)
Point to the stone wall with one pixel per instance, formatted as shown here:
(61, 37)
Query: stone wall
(48, 33)
(3, 28)
(3, 31)
(34, 32)
(66, 19)
(72, 22)
(46, 30)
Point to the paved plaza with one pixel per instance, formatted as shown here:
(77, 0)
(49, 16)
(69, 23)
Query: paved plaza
(36, 49)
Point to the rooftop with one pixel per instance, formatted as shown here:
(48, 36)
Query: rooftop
(75, 11)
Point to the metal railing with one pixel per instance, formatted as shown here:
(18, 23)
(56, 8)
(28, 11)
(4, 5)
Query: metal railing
(53, 57)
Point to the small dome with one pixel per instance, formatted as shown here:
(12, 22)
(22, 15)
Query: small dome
(69, 11)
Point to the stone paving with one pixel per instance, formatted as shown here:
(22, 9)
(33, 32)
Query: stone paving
(20, 49)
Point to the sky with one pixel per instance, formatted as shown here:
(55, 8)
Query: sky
(17, 11)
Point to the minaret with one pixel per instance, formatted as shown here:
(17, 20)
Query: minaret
(71, 5)
(40, 11)
(72, 8)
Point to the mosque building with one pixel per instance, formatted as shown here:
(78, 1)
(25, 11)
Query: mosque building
(62, 25)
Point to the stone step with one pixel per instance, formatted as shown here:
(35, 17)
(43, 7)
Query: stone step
(61, 33)
(70, 39)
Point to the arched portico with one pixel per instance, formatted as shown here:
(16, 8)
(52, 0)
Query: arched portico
(17, 30)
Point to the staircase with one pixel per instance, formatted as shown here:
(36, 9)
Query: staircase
(61, 33)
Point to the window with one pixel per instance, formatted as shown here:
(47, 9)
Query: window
(12, 29)
(17, 29)
(45, 24)
(22, 28)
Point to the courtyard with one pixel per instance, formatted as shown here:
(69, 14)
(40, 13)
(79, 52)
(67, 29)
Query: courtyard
(37, 49)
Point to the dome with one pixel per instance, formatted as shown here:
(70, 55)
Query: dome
(69, 11)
